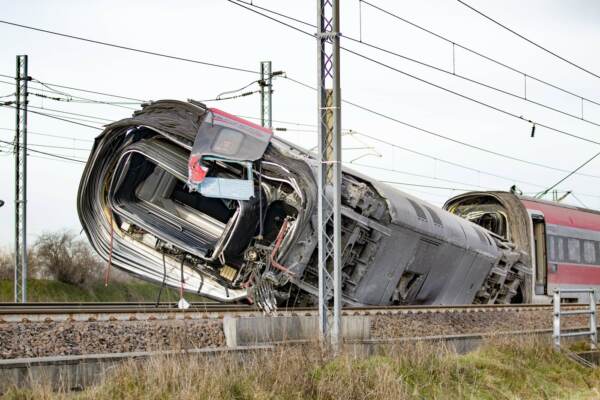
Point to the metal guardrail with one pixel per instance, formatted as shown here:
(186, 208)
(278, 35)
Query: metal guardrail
(592, 333)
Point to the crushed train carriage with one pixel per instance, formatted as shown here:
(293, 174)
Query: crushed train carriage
(199, 198)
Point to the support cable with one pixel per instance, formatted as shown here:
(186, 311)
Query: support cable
(475, 52)
(453, 71)
(422, 80)
(539, 46)
(118, 46)
(569, 174)
(59, 118)
(51, 135)
(45, 153)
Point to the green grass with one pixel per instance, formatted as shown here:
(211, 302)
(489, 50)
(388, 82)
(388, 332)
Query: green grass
(519, 369)
(54, 291)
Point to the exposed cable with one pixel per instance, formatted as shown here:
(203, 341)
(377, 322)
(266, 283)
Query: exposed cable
(118, 46)
(530, 41)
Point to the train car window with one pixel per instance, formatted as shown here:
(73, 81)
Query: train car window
(551, 248)
(560, 246)
(574, 247)
(589, 252)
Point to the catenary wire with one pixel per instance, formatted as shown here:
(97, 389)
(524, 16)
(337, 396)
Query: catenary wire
(71, 113)
(45, 153)
(500, 63)
(29, 132)
(441, 136)
(570, 174)
(530, 41)
(58, 118)
(453, 72)
(435, 158)
(433, 84)
(118, 46)
(422, 80)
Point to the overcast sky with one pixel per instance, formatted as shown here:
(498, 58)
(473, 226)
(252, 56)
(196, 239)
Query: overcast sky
(217, 31)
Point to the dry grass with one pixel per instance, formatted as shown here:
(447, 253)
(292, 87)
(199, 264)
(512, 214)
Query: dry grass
(516, 369)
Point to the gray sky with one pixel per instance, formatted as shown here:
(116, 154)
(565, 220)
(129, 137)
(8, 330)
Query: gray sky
(219, 32)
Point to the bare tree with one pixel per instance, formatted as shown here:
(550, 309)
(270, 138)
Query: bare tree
(67, 258)
(7, 264)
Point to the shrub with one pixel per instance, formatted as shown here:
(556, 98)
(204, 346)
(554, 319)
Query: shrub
(66, 258)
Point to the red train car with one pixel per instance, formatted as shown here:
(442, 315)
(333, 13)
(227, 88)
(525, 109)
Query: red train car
(562, 241)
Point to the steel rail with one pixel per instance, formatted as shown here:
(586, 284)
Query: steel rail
(97, 312)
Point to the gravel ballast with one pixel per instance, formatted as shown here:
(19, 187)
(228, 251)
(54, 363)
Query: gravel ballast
(40, 339)
(474, 322)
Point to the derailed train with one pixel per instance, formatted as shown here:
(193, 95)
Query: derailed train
(199, 199)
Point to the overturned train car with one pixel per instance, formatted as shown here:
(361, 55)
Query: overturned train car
(248, 231)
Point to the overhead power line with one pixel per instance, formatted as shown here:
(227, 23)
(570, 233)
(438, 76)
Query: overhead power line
(52, 85)
(441, 136)
(59, 118)
(118, 46)
(50, 135)
(422, 80)
(453, 71)
(72, 113)
(436, 85)
(397, 171)
(427, 186)
(477, 53)
(539, 46)
(45, 153)
(570, 174)
(455, 164)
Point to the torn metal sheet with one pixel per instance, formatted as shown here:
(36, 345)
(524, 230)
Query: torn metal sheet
(227, 137)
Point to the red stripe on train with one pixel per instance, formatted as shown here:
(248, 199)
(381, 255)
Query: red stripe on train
(575, 274)
(565, 216)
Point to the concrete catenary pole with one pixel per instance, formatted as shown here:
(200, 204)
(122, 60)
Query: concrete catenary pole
(330, 173)
(20, 149)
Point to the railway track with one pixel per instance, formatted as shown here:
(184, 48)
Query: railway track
(94, 312)
(56, 329)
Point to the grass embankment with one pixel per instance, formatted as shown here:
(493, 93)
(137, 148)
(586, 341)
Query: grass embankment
(515, 370)
(54, 291)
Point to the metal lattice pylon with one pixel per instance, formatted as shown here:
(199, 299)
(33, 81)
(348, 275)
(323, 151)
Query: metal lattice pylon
(330, 173)
(20, 149)
(266, 92)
